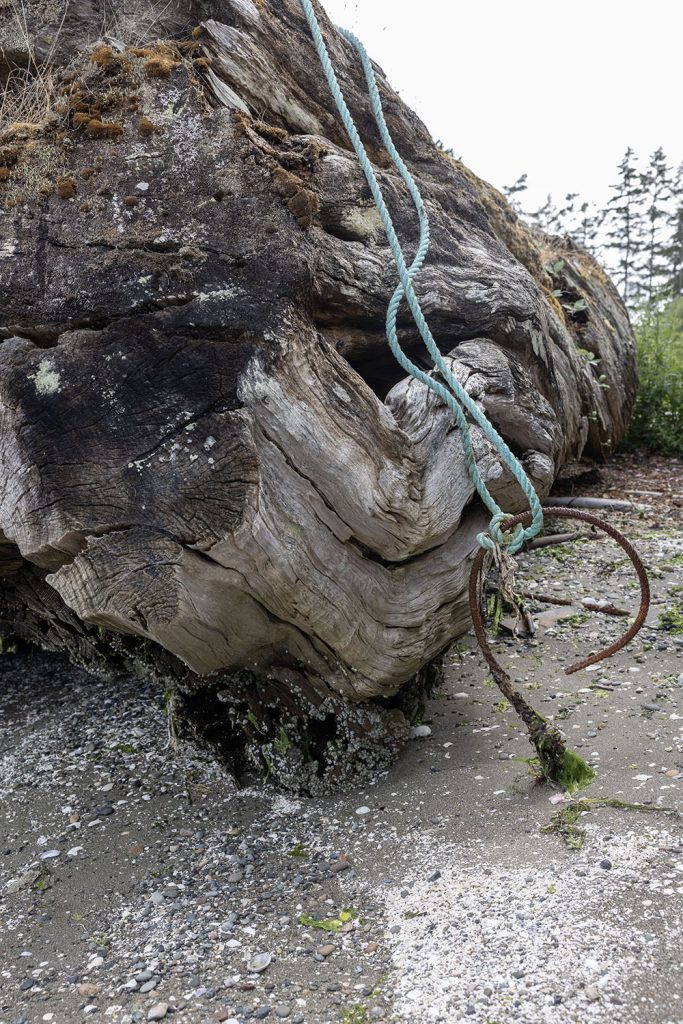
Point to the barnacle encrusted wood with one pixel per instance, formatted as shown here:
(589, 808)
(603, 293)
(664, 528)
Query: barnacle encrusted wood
(211, 465)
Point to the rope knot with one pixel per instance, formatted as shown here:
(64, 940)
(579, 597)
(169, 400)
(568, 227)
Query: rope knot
(512, 542)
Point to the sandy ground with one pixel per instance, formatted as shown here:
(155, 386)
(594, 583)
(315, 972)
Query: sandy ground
(137, 882)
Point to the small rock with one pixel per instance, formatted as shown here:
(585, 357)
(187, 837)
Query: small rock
(87, 988)
(606, 864)
(362, 810)
(435, 876)
(591, 993)
(283, 1010)
(420, 732)
(327, 950)
(158, 1011)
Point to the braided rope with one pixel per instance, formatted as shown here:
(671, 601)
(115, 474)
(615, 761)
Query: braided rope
(454, 395)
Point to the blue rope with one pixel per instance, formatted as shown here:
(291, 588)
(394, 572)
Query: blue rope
(456, 397)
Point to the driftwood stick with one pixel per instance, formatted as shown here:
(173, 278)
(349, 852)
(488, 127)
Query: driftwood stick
(612, 504)
(553, 538)
(587, 602)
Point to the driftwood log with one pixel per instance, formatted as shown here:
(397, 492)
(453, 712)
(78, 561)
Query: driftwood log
(210, 465)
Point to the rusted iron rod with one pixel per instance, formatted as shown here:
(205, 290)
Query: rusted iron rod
(586, 517)
(559, 764)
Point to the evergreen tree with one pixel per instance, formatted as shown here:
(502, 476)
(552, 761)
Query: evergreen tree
(624, 219)
(511, 191)
(588, 226)
(674, 246)
(657, 186)
(545, 217)
(565, 214)
(639, 233)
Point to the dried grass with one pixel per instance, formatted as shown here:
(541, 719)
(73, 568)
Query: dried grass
(29, 93)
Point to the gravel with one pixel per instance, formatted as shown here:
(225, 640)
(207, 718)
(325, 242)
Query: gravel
(138, 882)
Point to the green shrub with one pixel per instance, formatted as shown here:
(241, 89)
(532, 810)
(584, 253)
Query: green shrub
(657, 422)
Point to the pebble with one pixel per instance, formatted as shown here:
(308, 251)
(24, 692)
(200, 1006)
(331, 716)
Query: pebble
(194, 940)
(87, 988)
(158, 1011)
(419, 732)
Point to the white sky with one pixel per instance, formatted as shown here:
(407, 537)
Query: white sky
(556, 90)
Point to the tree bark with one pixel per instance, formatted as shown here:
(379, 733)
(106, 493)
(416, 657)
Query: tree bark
(212, 467)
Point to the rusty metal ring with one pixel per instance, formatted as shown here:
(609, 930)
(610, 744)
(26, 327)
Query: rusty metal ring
(586, 517)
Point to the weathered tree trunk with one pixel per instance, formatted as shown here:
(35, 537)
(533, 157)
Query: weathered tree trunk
(211, 464)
